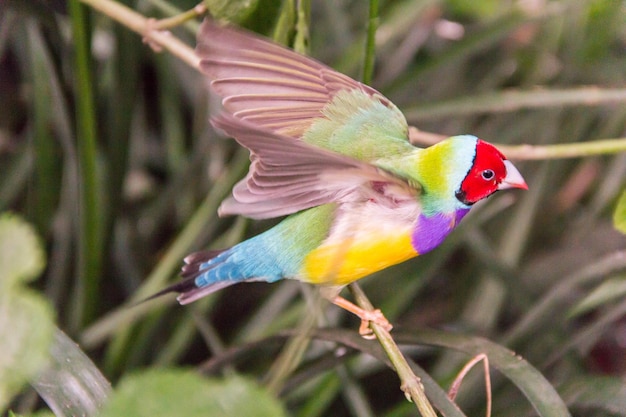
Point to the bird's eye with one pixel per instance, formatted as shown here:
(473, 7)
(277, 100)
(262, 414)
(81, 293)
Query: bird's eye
(488, 174)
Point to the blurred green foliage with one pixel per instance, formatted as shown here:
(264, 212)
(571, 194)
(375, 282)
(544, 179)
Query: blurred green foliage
(105, 147)
(164, 393)
(619, 217)
(26, 318)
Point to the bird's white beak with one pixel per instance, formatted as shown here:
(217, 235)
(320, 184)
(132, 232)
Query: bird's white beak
(513, 178)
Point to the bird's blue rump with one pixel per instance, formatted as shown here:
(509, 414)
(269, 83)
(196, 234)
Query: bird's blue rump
(256, 259)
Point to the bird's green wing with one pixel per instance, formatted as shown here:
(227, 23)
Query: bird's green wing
(287, 176)
(275, 88)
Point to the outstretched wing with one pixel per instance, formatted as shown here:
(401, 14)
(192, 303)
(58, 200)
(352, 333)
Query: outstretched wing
(287, 176)
(272, 86)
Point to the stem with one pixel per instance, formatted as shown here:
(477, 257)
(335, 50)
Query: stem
(537, 152)
(179, 19)
(90, 215)
(303, 14)
(410, 383)
(141, 24)
(565, 150)
(370, 44)
(285, 23)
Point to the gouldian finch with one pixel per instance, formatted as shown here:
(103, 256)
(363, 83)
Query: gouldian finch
(332, 155)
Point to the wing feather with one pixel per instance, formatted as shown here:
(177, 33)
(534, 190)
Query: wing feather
(287, 176)
(268, 84)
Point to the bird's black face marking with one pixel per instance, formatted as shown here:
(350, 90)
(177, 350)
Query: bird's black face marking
(461, 196)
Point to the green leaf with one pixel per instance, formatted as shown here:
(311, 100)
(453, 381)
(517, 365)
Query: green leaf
(71, 384)
(26, 318)
(588, 392)
(619, 216)
(167, 393)
(537, 389)
(607, 291)
(21, 253)
(26, 329)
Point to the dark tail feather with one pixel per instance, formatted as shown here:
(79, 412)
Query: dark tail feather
(190, 271)
(194, 260)
(180, 287)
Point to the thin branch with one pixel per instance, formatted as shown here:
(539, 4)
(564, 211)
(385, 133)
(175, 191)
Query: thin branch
(179, 19)
(145, 27)
(410, 383)
(565, 150)
(536, 152)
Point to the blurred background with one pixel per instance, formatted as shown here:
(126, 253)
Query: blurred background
(106, 150)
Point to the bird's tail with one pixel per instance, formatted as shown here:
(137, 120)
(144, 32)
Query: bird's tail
(195, 265)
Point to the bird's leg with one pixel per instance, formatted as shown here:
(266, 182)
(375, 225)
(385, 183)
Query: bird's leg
(366, 316)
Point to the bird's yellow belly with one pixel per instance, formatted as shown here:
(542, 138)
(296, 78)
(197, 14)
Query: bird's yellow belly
(340, 263)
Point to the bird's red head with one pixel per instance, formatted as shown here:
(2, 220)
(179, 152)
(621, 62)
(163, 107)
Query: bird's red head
(490, 172)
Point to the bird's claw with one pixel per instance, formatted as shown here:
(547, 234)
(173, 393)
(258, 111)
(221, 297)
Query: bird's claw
(374, 316)
(367, 316)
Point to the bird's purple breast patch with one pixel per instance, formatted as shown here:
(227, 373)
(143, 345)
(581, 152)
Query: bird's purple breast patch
(430, 231)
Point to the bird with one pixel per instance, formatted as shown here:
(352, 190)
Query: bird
(332, 155)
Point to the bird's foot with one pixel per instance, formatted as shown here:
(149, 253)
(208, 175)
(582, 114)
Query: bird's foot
(367, 316)
(372, 316)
